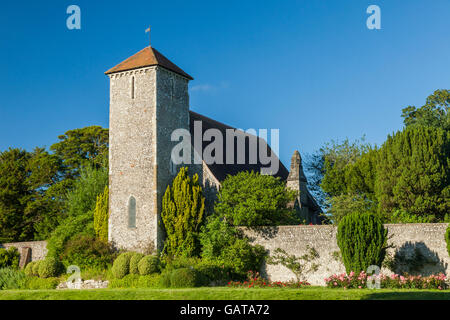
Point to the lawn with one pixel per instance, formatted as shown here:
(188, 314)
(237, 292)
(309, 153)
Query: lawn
(223, 293)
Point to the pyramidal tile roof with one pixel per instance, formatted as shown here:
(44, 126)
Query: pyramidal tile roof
(145, 58)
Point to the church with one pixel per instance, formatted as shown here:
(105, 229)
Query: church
(149, 100)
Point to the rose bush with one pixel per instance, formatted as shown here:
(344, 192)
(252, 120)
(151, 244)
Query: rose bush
(395, 281)
(254, 280)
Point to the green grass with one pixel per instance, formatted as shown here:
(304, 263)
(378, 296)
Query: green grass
(222, 293)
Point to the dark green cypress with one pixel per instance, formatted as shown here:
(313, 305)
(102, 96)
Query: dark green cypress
(413, 173)
(183, 207)
(362, 240)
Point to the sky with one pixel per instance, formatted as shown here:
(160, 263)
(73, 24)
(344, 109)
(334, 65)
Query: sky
(311, 69)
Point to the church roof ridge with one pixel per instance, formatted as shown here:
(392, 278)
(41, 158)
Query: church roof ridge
(147, 57)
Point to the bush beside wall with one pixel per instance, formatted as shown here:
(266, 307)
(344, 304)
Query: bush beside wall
(9, 258)
(362, 240)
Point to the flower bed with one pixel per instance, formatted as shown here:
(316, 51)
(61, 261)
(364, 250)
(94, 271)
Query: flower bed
(395, 281)
(255, 281)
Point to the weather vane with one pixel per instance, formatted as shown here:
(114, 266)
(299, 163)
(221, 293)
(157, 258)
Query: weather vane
(149, 36)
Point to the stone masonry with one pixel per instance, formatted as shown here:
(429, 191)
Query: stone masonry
(141, 124)
(428, 238)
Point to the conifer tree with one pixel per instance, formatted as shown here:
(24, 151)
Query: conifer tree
(183, 207)
(413, 173)
(362, 240)
(101, 216)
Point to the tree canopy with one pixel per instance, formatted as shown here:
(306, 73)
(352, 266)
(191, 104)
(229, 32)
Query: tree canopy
(252, 199)
(34, 185)
(405, 180)
(433, 114)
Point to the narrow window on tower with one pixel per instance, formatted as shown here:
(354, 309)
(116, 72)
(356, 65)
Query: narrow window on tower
(132, 87)
(132, 212)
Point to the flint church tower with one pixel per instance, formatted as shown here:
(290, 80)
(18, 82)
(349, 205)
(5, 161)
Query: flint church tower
(148, 100)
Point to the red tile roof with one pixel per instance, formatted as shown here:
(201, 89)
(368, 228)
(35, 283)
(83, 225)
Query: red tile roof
(147, 57)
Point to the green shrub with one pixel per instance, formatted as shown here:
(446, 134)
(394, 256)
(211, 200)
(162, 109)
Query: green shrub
(101, 215)
(48, 268)
(127, 281)
(447, 238)
(86, 251)
(402, 216)
(35, 268)
(136, 281)
(148, 265)
(80, 205)
(134, 261)
(211, 272)
(121, 266)
(35, 283)
(29, 269)
(184, 278)
(362, 240)
(183, 207)
(208, 272)
(253, 199)
(94, 274)
(11, 278)
(171, 263)
(164, 280)
(226, 245)
(149, 281)
(413, 173)
(9, 258)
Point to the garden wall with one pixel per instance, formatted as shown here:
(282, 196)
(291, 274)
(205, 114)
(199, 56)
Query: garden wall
(38, 248)
(418, 248)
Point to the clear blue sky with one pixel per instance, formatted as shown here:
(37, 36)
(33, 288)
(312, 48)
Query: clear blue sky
(310, 68)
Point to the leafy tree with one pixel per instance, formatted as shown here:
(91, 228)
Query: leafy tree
(43, 206)
(87, 251)
(344, 204)
(24, 179)
(77, 149)
(183, 207)
(14, 195)
(342, 173)
(9, 258)
(362, 240)
(34, 185)
(413, 173)
(226, 245)
(314, 170)
(80, 207)
(435, 112)
(80, 147)
(101, 215)
(251, 199)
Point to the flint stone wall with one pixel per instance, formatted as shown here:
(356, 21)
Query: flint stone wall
(38, 248)
(405, 239)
